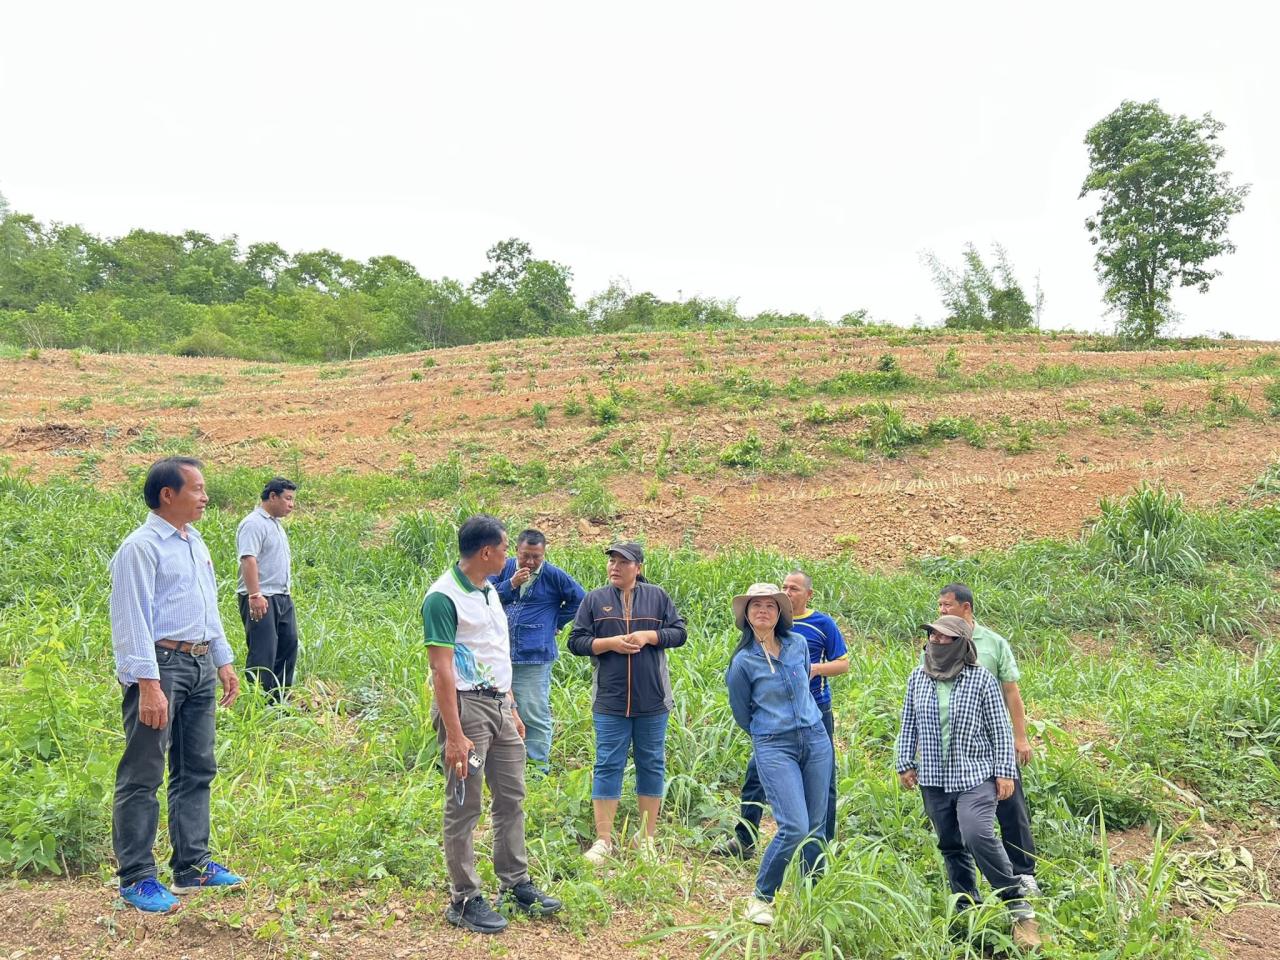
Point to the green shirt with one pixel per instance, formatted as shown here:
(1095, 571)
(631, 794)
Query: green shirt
(943, 690)
(996, 655)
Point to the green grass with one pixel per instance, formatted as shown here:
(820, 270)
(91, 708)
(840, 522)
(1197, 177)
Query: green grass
(1183, 713)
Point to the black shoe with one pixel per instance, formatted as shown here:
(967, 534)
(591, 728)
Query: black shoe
(476, 914)
(527, 898)
(734, 847)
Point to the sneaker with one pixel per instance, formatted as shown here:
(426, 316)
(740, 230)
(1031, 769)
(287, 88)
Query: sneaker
(210, 875)
(1026, 934)
(645, 847)
(599, 852)
(150, 896)
(1029, 886)
(733, 848)
(475, 915)
(527, 898)
(759, 912)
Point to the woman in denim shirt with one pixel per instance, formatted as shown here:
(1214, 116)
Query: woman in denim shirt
(768, 683)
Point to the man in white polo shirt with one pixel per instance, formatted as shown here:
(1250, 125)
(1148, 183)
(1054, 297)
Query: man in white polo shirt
(480, 732)
(266, 578)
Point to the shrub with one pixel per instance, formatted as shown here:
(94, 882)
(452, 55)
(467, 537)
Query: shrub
(747, 452)
(207, 342)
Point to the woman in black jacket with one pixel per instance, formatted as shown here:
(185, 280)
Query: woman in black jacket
(626, 628)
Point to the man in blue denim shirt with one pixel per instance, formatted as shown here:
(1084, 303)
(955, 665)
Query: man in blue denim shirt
(539, 598)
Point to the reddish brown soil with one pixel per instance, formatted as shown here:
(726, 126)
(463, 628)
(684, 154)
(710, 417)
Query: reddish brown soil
(370, 415)
(83, 919)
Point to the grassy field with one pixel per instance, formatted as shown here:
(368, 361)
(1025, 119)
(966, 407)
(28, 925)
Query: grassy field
(1150, 662)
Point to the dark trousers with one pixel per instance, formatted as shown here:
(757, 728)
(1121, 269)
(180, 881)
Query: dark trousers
(753, 798)
(965, 823)
(1014, 818)
(186, 742)
(273, 644)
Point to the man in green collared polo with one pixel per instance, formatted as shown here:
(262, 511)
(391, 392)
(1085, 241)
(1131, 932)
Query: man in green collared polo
(994, 653)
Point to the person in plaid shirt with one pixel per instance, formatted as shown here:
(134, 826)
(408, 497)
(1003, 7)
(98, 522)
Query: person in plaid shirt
(956, 745)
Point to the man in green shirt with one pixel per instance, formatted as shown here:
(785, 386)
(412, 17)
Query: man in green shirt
(994, 653)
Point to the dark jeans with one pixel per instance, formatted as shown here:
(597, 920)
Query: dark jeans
(966, 827)
(795, 768)
(1014, 818)
(186, 741)
(753, 798)
(273, 644)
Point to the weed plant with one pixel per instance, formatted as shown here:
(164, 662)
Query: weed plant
(1176, 722)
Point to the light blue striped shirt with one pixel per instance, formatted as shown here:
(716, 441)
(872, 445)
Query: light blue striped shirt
(162, 588)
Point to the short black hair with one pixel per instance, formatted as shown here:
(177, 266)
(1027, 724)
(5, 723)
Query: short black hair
(958, 590)
(478, 532)
(278, 486)
(167, 473)
(534, 538)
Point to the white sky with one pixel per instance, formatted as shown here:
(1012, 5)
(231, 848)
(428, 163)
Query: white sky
(797, 156)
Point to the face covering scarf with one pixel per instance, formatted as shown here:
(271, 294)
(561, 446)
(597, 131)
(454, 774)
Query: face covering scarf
(945, 661)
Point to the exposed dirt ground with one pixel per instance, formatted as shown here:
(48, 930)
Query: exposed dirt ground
(99, 414)
(83, 919)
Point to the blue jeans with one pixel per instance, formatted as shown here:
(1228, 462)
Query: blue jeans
(647, 736)
(531, 685)
(795, 768)
(753, 798)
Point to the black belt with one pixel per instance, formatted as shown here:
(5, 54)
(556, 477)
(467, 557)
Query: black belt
(489, 692)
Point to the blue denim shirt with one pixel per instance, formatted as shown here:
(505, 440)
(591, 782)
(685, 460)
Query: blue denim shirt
(536, 616)
(767, 701)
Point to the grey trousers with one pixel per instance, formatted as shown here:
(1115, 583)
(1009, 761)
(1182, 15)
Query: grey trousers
(186, 743)
(965, 824)
(489, 725)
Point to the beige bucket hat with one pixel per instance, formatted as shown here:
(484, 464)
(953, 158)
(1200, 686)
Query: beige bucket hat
(769, 590)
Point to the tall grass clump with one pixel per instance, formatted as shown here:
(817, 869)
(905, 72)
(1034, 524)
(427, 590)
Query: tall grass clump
(1149, 532)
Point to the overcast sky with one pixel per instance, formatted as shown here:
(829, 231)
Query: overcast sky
(797, 156)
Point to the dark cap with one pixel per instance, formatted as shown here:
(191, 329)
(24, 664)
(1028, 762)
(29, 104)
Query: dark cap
(950, 626)
(629, 550)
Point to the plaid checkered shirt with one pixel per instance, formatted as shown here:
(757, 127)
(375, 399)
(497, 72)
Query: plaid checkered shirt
(981, 735)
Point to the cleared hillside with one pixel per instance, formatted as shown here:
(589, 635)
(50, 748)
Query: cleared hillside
(878, 446)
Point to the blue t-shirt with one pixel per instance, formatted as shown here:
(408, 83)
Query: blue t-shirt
(826, 642)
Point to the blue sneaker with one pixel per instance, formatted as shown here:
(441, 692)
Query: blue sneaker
(150, 896)
(211, 875)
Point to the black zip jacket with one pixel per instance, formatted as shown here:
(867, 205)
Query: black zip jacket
(636, 684)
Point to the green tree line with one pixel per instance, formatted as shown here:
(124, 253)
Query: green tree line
(188, 293)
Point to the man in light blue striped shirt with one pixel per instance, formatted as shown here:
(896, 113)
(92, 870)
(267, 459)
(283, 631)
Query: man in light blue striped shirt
(169, 643)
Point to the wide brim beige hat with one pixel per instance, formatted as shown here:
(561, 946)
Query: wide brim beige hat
(755, 591)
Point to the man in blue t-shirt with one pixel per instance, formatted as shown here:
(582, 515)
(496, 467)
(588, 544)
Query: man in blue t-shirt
(828, 657)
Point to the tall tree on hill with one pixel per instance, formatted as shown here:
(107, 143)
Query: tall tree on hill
(523, 296)
(1163, 209)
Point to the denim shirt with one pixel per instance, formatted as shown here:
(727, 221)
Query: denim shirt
(769, 701)
(535, 616)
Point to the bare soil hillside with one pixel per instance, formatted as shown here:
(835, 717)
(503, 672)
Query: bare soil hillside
(882, 447)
